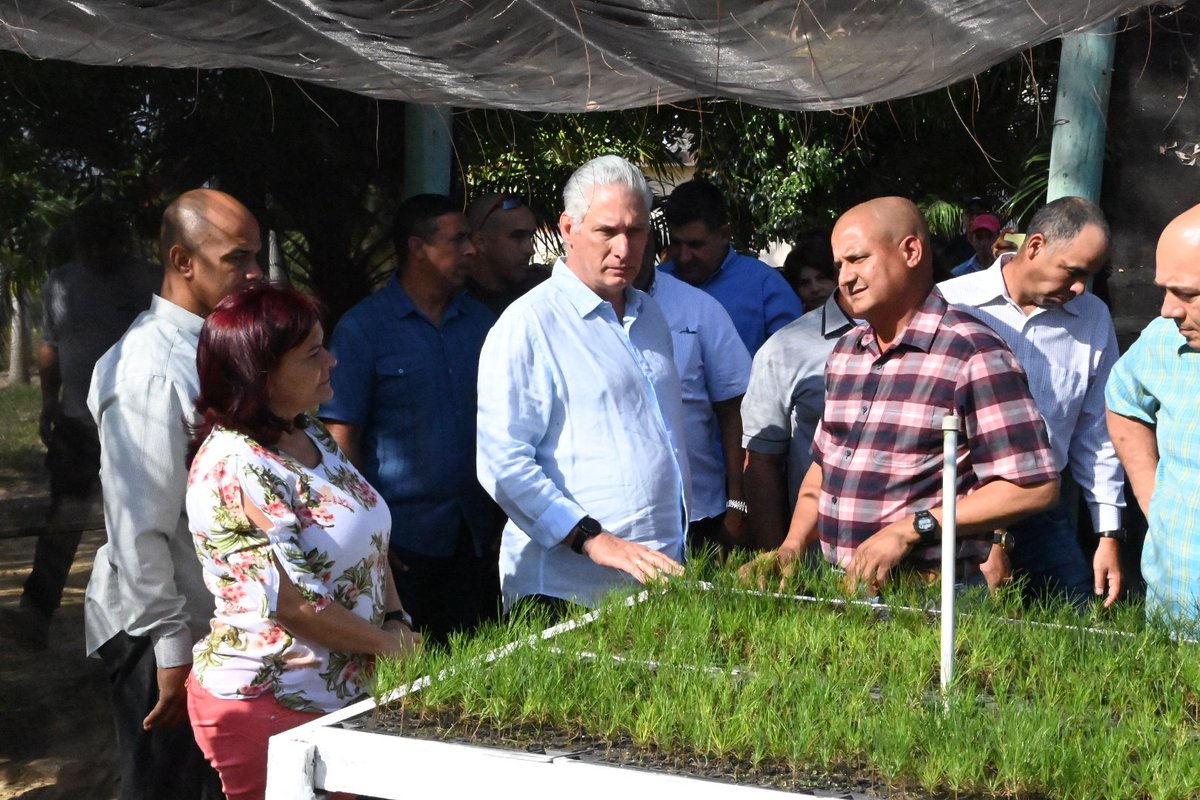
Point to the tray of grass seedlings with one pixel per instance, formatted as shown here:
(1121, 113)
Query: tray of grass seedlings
(808, 688)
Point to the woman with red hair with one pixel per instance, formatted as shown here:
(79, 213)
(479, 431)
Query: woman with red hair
(292, 539)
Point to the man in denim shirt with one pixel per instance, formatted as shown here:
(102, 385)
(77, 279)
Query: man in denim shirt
(404, 411)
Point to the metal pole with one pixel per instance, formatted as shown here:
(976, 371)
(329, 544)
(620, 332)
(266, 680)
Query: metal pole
(1081, 113)
(949, 542)
(427, 149)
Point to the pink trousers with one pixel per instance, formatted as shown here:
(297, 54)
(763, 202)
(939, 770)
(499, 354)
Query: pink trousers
(233, 736)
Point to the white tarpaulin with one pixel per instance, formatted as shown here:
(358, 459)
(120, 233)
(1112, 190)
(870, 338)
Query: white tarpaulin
(559, 55)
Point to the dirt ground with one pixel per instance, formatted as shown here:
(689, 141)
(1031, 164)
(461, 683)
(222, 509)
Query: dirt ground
(56, 731)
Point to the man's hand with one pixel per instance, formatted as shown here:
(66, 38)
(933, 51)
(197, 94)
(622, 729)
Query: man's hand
(407, 640)
(997, 570)
(734, 531)
(781, 562)
(46, 420)
(638, 560)
(1108, 579)
(171, 708)
(875, 558)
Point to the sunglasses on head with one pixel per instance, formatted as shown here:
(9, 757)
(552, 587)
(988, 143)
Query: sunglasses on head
(508, 202)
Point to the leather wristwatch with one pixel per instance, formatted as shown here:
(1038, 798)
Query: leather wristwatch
(586, 528)
(1003, 538)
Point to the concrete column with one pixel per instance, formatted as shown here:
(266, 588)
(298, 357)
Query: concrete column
(427, 149)
(1081, 113)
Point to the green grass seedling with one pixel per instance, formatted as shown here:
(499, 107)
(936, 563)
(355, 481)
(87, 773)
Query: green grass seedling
(1047, 702)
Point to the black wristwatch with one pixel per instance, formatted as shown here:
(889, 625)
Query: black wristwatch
(927, 527)
(586, 528)
(1117, 533)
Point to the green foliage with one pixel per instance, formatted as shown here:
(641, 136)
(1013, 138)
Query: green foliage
(773, 685)
(21, 451)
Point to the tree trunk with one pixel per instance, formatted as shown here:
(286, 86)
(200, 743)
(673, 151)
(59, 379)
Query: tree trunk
(20, 355)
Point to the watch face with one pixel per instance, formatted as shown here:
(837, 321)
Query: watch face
(925, 522)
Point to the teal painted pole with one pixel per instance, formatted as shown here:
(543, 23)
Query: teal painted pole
(1081, 113)
(427, 150)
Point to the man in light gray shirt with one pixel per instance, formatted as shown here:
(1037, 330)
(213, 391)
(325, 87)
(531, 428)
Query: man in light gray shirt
(146, 602)
(1037, 300)
(780, 413)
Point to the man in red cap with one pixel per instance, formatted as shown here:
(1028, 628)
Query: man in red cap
(981, 233)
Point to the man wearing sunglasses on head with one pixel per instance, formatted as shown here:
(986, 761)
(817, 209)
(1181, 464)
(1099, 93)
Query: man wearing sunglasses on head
(502, 231)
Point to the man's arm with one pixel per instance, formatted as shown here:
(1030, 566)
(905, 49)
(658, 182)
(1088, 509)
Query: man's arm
(1137, 447)
(801, 535)
(50, 380)
(996, 504)
(143, 444)
(729, 419)
(765, 484)
(1097, 470)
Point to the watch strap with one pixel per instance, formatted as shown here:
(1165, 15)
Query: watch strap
(587, 528)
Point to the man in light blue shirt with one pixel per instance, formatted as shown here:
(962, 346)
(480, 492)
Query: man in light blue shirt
(1154, 419)
(580, 415)
(757, 297)
(1063, 337)
(714, 369)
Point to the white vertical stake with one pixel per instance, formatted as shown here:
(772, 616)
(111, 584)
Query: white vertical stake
(949, 542)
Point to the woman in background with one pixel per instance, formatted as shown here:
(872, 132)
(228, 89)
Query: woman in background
(809, 270)
(293, 541)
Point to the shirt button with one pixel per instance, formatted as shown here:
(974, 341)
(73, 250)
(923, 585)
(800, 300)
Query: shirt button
(833, 500)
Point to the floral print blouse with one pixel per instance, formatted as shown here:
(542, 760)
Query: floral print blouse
(329, 533)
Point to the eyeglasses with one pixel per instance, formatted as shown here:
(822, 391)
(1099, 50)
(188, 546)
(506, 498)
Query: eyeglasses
(508, 202)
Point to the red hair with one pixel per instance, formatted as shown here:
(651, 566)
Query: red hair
(242, 341)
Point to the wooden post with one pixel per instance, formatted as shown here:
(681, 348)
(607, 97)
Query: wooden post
(427, 149)
(1081, 113)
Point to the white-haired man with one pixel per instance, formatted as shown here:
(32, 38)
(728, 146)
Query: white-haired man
(580, 415)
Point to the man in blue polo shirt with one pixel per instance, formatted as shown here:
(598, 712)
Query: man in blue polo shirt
(756, 296)
(403, 409)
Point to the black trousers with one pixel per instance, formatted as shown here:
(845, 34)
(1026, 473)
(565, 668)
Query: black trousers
(73, 461)
(159, 764)
(449, 594)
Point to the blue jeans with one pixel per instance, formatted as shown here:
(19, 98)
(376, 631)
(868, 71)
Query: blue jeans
(1046, 553)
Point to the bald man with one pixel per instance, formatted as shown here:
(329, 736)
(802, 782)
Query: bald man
(502, 230)
(1154, 421)
(872, 497)
(146, 602)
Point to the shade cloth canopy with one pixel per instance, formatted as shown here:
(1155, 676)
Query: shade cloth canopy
(564, 55)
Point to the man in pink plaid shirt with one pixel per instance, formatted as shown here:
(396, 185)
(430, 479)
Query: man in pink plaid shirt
(873, 494)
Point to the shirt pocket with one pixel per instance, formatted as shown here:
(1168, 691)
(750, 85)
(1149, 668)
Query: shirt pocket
(402, 389)
(905, 438)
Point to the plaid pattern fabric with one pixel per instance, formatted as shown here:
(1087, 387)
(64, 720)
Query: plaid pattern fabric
(879, 443)
(1156, 382)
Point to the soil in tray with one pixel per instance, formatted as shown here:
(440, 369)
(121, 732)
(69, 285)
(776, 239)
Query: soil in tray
(448, 726)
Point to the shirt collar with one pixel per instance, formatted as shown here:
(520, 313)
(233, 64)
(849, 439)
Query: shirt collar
(834, 321)
(992, 288)
(583, 298)
(403, 305)
(921, 329)
(178, 316)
